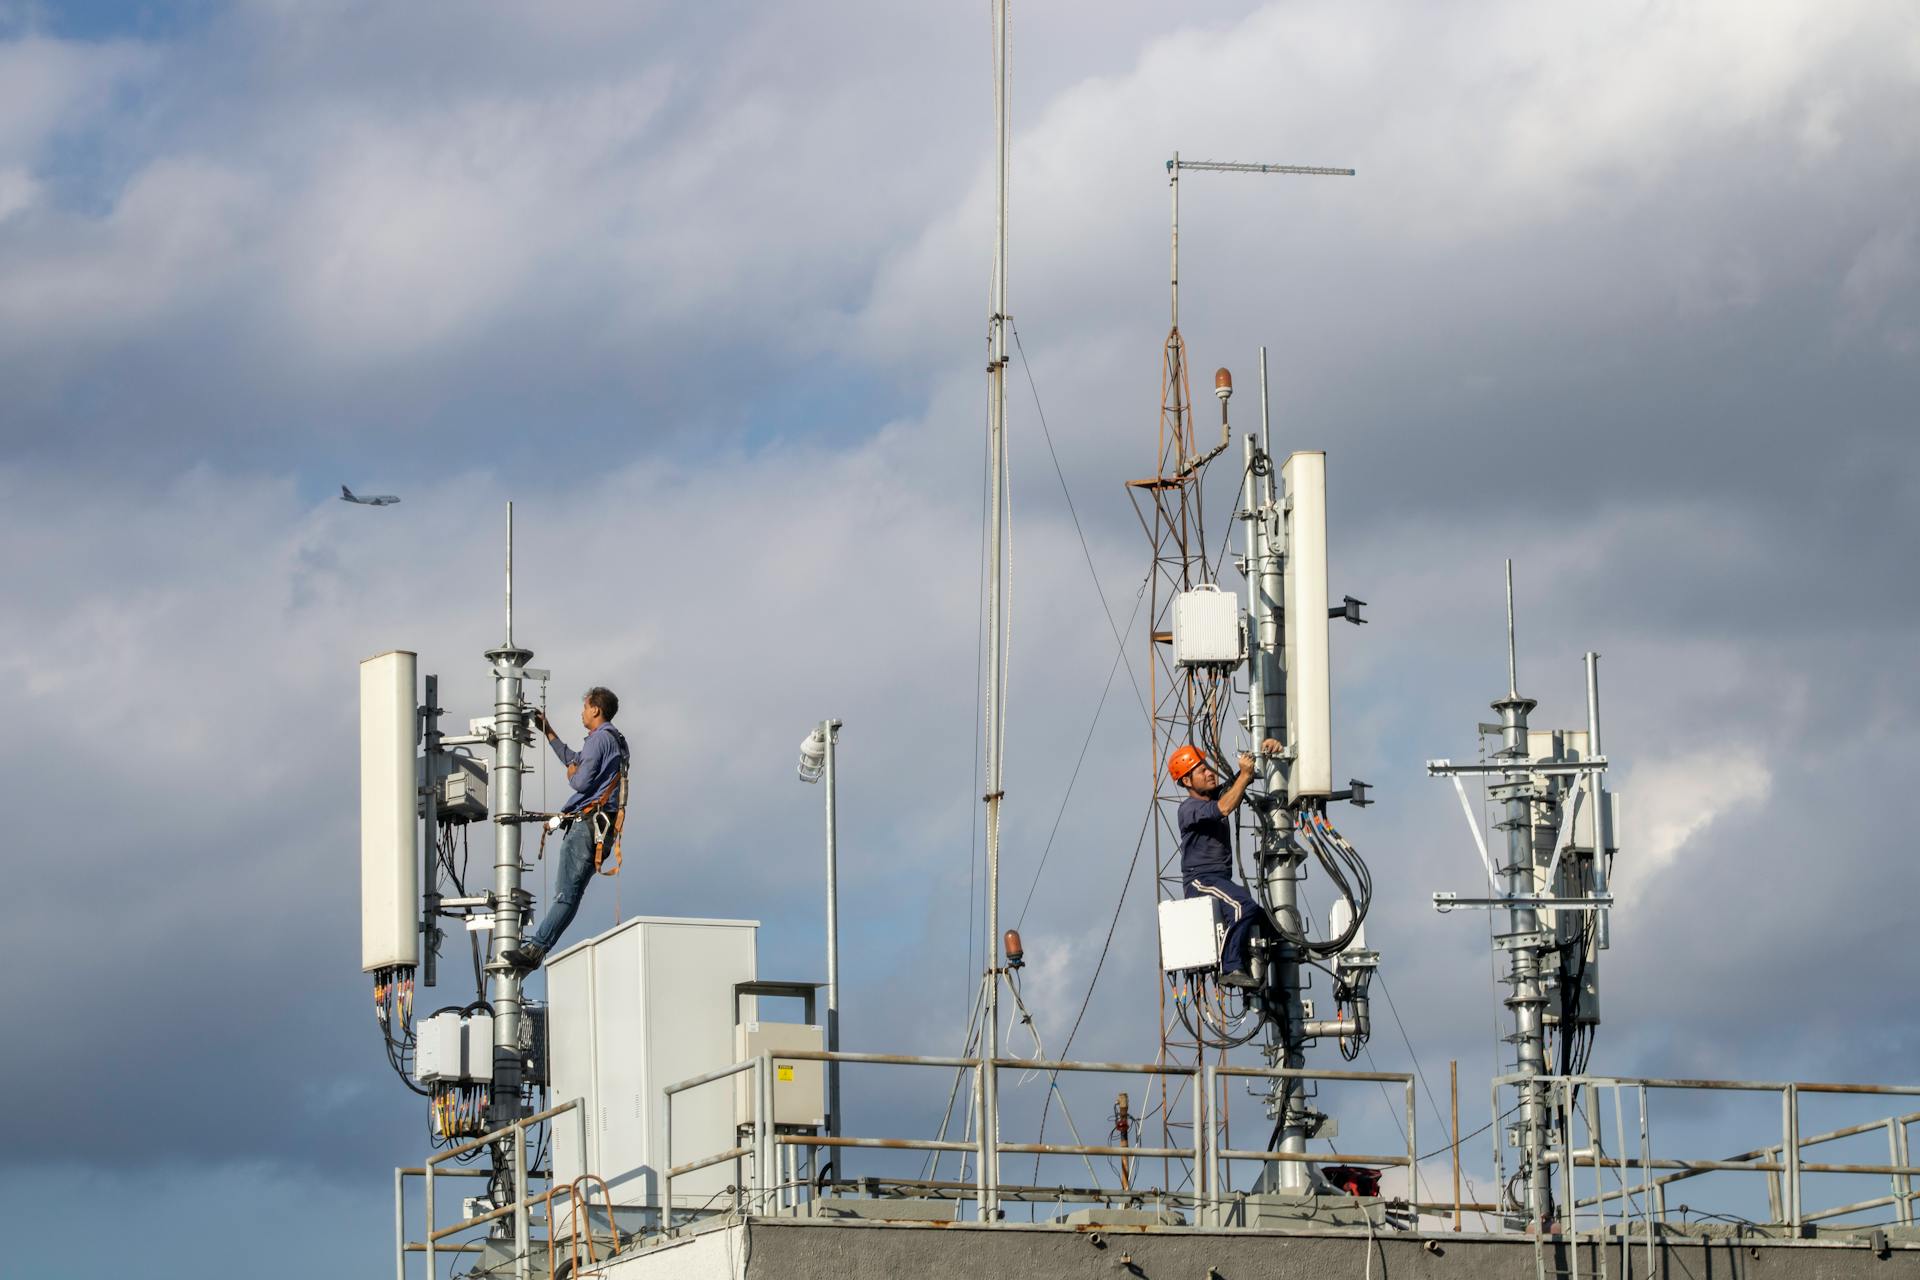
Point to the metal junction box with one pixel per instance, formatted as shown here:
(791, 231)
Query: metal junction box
(463, 791)
(646, 1004)
(453, 1047)
(1206, 628)
(799, 1088)
(1189, 938)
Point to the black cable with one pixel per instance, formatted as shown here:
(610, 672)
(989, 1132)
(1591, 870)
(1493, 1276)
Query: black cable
(1075, 776)
(1099, 965)
(1045, 434)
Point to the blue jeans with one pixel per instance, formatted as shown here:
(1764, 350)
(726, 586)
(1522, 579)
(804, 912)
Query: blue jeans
(1234, 907)
(575, 869)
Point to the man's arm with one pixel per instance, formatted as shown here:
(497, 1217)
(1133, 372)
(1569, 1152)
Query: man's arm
(1237, 789)
(568, 756)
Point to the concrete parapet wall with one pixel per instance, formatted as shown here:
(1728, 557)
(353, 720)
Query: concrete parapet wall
(791, 1249)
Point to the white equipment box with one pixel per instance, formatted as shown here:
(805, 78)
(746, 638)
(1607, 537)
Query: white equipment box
(453, 1047)
(1189, 938)
(1206, 627)
(799, 1088)
(647, 1004)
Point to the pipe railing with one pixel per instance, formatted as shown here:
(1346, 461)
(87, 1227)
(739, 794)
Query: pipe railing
(433, 1245)
(1784, 1163)
(1205, 1158)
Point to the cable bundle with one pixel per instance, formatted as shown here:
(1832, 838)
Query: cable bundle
(1348, 871)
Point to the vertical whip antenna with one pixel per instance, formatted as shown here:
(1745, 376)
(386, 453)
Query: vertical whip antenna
(509, 574)
(1513, 662)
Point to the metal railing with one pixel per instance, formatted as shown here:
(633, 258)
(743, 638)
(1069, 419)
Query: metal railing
(1206, 1158)
(432, 1245)
(1642, 1202)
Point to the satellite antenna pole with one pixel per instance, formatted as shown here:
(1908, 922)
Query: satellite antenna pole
(995, 710)
(509, 899)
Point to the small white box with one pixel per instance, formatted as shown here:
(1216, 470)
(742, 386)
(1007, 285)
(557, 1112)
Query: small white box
(476, 1047)
(452, 1047)
(1206, 627)
(436, 1048)
(1189, 938)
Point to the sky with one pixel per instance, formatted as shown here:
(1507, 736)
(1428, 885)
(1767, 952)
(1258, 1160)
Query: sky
(1629, 294)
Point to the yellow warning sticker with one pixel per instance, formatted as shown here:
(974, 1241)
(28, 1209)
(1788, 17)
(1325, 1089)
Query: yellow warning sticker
(783, 1073)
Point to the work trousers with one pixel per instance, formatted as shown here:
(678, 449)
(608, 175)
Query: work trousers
(573, 869)
(1234, 907)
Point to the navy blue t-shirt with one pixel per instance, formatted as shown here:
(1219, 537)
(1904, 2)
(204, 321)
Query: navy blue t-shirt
(1206, 839)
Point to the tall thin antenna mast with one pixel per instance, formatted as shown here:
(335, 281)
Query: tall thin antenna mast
(1168, 504)
(1513, 661)
(995, 710)
(504, 980)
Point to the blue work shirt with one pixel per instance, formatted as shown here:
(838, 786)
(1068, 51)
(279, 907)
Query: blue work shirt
(1206, 839)
(599, 758)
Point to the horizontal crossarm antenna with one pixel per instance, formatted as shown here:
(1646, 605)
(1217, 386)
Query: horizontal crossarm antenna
(1234, 166)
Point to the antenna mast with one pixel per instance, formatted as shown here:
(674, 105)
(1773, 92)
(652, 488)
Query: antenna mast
(996, 705)
(509, 899)
(1552, 884)
(1168, 505)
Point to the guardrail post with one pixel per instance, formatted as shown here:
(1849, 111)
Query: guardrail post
(431, 1273)
(763, 1133)
(980, 1142)
(666, 1166)
(1791, 1145)
(1413, 1154)
(1203, 1147)
(1904, 1186)
(985, 1204)
(520, 1234)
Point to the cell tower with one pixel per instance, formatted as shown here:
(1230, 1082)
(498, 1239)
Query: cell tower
(1187, 703)
(1551, 881)
(481, 1064)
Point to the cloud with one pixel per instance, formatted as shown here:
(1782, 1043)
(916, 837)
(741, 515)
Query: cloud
(1674, 799)
(1623, 299)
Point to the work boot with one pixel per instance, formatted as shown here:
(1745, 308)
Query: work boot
(1238, 978)
(525, 957)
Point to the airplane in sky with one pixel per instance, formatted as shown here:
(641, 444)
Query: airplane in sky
(376, 500)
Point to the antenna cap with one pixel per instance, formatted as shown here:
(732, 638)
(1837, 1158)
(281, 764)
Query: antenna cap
(1222, 383)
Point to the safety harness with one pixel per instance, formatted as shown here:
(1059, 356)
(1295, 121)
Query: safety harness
(607, 812)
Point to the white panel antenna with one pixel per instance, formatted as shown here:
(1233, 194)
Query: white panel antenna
(1309, 685)
(389, 832)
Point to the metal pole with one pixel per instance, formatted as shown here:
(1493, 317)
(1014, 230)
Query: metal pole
(1275, 856)
(1597, 801)
(830, 731)
(432, 1272)
(1266, 437)
(520, 1236)
(1453, 1088)
(1173, 274)
(995, 694)
(1202, 1144)
(400, 1224)
(1527, 999)
(504, 986)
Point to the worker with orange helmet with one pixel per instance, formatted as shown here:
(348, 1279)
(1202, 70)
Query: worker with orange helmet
(1206, 850)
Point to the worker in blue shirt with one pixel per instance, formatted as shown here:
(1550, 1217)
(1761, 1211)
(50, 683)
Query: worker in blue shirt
(1206, 851)
(597, 772)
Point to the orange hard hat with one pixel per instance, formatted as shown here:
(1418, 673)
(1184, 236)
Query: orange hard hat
(1184, 761)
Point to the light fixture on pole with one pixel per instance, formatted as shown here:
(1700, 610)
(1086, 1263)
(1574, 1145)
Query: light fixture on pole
(816, 763)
